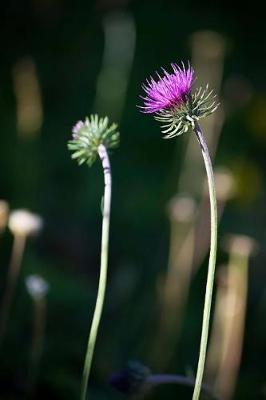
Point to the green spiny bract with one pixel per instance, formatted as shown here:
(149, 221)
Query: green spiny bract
(89, 135)
(178, 120)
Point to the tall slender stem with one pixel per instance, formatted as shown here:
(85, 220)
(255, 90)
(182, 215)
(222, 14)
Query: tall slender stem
(103, 268)
(12, 277)
(212, 262)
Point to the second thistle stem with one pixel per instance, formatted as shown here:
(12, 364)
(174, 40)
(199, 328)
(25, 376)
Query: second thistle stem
(212, 262)
(103, 268)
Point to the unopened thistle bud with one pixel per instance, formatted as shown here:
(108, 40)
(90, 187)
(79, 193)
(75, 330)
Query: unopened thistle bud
(172, 102)
(87, 136)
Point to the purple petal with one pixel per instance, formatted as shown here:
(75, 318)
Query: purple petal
(169, 90)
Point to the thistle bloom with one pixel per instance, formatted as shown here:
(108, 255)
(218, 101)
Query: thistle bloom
(170, 91)
(171, 99)
(76, 128)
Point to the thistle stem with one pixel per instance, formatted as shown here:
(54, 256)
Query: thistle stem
(212, 262)
(103, 268)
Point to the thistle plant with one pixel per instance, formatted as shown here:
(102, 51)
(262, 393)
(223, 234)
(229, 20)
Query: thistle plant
(170, 99)
(91, 139)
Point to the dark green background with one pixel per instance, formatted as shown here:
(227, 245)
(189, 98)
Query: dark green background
(65, 40)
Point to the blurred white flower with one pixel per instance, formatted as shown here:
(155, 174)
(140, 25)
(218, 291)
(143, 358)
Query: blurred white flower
(4, 211)
(241, 245)
(36, 286)
(24, 223)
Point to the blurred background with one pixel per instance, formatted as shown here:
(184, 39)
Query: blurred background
(60, 61)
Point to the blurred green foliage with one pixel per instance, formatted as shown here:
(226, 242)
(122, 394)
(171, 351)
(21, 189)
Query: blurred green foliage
(66, 42)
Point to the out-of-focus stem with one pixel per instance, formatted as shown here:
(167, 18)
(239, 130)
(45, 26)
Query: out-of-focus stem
(39, 322)
(233, 315)
(208, 51)
(216, 334)
(28, 95)
(118, 54)
(103, 268)
(13, 272)
(176, 284)
(212, 262)
(4, 212)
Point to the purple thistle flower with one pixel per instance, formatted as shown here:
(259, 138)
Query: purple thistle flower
(169, 91)
(171, 99)
(76, 128)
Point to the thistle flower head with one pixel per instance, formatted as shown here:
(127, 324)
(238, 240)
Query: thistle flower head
(169, 91)
(87, 136)
(172, 102)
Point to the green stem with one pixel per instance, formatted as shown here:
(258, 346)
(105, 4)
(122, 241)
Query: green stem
(103, 268)
(212, 262)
